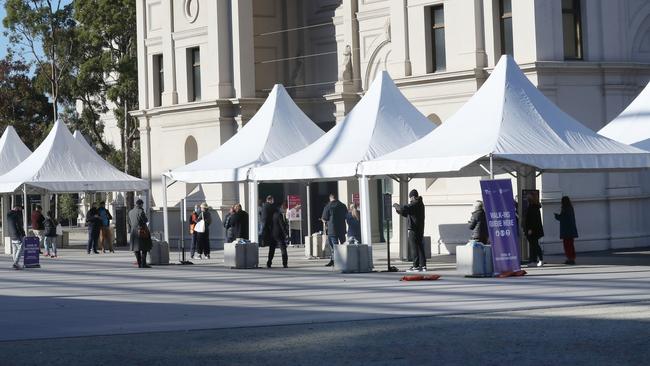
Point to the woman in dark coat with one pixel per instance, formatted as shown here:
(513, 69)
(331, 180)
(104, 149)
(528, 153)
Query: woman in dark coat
(203, 239)
(239, 223)
(568, 229)
(478, 224)
(534, 231)
(140, 244)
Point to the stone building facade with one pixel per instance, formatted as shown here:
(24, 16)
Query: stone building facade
(205, 66)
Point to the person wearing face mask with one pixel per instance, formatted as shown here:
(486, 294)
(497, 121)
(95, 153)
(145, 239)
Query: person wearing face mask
(414, 212)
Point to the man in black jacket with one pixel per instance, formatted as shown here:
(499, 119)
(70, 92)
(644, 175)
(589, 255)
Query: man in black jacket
(414, 212)
(334, 219)
(16, 233)
(280, 233)
(267, 211)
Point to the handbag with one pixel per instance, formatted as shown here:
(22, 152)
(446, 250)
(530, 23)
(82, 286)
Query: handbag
(200, 227)
(59, 229)
(143, 232)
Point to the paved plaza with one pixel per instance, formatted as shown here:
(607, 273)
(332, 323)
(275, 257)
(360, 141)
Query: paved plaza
(100, 309)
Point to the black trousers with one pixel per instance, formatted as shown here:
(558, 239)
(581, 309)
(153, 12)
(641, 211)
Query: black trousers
(416, 244)
(283, 248)
(141, 257)
(534, 249)
(93, 239)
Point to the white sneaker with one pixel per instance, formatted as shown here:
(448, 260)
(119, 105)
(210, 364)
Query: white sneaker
(540, 263)
(413, 269)
(423, 269)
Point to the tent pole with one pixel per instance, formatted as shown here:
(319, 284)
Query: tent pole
(308, 200)
(253, 216)
(165, 214)
(25, 208)
(366, 228)
(491, 168)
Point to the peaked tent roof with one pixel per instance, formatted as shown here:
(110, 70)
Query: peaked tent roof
(82, 140)
(12, 150)
(382, 121)
(510, 119)
(632, 126)
(62, 164)
(279, 128)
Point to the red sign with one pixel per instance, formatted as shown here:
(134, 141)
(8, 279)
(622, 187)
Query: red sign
(294, 205)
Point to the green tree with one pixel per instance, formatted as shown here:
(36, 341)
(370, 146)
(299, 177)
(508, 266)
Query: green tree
(107, 28)
(44, 30)
(68, 209)
(21, 104)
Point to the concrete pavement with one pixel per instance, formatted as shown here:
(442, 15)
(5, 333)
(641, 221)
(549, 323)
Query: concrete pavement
(103, 295)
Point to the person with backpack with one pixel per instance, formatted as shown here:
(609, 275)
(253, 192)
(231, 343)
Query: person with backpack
(49, 243)
(105, 234)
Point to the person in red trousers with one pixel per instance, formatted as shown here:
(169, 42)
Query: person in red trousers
(568, 229)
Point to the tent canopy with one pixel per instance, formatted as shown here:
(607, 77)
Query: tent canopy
(12, 150)
(382, 121)
(278, 129)
(512, 121)
(82, 140)
(632, 126)
(61, 164)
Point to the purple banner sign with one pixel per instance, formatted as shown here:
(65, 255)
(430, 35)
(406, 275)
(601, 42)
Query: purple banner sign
(502, 224)
(31, 252)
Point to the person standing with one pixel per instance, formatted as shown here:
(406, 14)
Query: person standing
(280, 233)
(354, 224)
(227, 225)
(194, 218)
(140, 236)
(414, 212)
(568, 229)
(105, 235)
(94, 224)
(49, 225)
(334, 219)
(203, 238)
(478, 224)
(534, 231)
(268, 209)
(16, 234)
(239, 223)
(37, 221)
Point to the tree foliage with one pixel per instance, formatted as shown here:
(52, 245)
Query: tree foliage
(21, 105)
(44, 30)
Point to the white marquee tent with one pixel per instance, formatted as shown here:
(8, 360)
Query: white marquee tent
(632, 126)
(279, 128)
(382, 121)
(12, 150)
(61, 164)
(508, 123)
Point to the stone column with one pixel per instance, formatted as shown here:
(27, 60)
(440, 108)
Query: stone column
(219, 79)
(170, 95)
(143, 90)
(243, 48)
